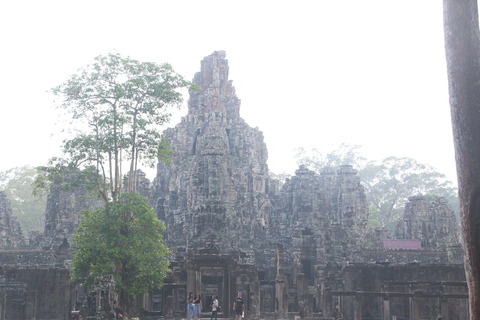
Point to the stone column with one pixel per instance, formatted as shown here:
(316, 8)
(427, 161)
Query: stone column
(281, 285)
(386, 308)
(190, 274)
(198, 281)
(302, 287)
(413, 308)
(357, 311)
(444, 308)
(321, 297)
(279, 293)
(232, 290)
(255, 299)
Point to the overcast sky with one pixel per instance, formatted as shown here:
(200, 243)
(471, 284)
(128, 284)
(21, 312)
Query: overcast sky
(309, 73)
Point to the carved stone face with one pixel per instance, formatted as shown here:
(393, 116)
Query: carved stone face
(215, 141)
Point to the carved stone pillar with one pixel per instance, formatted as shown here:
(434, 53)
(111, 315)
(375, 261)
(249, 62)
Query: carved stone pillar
(302, 287)
(282, 304)
(444, 308)
(281, 284)
(357, 311)
(255, 300)
(413, 308)
(190, 274)
(386, 308)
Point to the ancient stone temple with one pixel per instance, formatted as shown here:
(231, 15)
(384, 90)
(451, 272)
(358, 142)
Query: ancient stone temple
(215, 197)
(302, 248)
(10, 230)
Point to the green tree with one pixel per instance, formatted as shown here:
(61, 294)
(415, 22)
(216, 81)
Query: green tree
(29, 209)
(124, 240)
(340, 155)
(117, 106)
(390, 183)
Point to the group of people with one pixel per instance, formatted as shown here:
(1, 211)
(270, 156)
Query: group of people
(194, 306)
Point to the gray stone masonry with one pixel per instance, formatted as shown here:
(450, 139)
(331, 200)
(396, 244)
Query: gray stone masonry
(10, 231)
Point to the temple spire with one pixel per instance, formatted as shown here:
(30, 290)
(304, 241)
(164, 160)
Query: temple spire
(217, 93)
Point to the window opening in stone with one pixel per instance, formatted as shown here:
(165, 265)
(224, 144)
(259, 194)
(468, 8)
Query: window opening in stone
(308, 267)
(261, 275)
(307, 232)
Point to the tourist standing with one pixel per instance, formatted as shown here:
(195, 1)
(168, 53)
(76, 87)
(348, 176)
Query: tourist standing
(198, 306)
(190, 306)
(214, 308)
(337, 313)
(238, 306)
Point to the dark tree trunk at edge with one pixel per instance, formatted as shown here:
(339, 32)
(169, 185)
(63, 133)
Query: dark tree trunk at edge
(462, 42)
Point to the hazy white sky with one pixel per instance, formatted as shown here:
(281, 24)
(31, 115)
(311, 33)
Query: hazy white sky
(309, 73)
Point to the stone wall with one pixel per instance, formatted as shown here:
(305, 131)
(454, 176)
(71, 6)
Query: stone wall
(32, 293)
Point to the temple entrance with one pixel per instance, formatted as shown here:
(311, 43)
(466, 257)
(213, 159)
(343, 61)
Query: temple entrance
(213, 284)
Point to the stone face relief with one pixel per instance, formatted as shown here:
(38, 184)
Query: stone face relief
(10, 231)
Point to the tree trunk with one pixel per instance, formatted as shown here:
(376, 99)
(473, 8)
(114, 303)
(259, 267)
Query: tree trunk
(462, 42)
(126, 303)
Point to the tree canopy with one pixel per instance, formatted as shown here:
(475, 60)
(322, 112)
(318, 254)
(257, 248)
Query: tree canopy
(124, 240)
(117, 106)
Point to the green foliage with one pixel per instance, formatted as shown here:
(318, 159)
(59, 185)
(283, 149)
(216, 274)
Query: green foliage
(118, 106)
(57, 170)
(388, 184)
(374, 218)
(165, 151)
(29, 209)
(344, 154)
(124, 240)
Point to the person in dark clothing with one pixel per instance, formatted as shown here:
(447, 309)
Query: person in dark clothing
(238, 306)
(198, 306)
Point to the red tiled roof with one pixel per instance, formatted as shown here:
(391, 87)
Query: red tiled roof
(402, 244)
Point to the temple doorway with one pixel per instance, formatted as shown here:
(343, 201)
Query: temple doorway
(212, 284)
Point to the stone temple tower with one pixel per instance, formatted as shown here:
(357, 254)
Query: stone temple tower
(215, 192)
